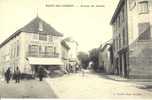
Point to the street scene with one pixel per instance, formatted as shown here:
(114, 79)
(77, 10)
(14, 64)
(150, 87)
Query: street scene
(68, 50)
(79, 86)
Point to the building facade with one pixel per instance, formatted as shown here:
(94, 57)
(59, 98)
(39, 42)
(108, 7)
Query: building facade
(132, 42)
(65, 55)
(36, 44)
(72, 54)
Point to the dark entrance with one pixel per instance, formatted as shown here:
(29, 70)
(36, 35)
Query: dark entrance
(120, 64)
(125, 64)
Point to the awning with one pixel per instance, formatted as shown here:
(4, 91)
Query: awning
(45, 61)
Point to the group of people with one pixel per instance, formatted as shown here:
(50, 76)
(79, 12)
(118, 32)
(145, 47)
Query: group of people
(40, 73)
(16, 75)
(73, 68)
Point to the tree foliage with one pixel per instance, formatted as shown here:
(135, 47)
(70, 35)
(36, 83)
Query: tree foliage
(93, 56)
(84, 59)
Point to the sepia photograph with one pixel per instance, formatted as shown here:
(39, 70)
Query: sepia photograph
(76, 49)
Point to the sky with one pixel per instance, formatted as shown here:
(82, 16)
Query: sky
(89, 26)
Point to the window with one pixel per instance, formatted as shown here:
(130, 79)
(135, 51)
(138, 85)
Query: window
(33, 50)
(18, 48)
(14, 50)
(123, 34)
(49, 49)
(40, 26)
(144, 31)
(143, 7)
(114, 27)
(118, 21)
(50, 38)
(35, 36)
(119, 41)
(132, 4)
(43, 37)
(55, 50)
(42, 51)
(114, 44)
(123, 14)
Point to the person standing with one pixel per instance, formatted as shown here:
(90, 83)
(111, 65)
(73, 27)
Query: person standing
(8, 75)
(41, 73)
(17, 75)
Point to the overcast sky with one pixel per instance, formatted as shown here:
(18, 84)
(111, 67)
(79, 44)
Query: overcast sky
(89, 26)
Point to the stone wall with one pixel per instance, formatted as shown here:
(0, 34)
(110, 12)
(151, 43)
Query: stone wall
(140, 60)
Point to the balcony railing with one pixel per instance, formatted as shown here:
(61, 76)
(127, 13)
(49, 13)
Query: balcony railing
(43, 55)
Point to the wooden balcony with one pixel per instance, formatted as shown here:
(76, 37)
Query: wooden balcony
(43, 55)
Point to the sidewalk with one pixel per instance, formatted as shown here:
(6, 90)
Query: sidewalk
(115, 77)
(94, 86)
(120, 78)
(140, 83)
(26, 89)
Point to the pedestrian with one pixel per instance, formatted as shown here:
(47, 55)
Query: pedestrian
(17, 75)
(41, 73)
(83, 72)
(67, 68)
(8, 75)
(77, 67)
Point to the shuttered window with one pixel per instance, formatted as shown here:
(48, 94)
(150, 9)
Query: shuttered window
(50, 38)
(43, 37)
(143, 7)
(144, 31)
(33, 50)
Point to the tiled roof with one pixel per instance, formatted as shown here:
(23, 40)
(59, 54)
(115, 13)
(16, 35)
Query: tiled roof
(63, 43)
(33, 27)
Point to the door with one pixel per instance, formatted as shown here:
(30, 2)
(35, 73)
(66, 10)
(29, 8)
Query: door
(125, 65)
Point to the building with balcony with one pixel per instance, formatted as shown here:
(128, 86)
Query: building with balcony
(132, 43)
(34, 45)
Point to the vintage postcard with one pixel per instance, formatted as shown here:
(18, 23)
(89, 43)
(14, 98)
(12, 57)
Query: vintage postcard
(76, 49)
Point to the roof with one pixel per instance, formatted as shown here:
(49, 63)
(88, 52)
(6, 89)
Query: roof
(10, 37)
(63, 43)
(121, 2)
(105, 46)
(108, 43)
(33, 27)
(69, 39)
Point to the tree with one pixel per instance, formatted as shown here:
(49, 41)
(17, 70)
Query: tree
(84, 59)
(93, 56)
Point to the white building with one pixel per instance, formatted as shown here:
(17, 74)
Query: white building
(36, 44)
(73, 50)
(72, 53)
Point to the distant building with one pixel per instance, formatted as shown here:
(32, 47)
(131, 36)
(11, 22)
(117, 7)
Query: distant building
(65, 54)
(106, 58)
(72, 54)
(36, 44)
(132, 38)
